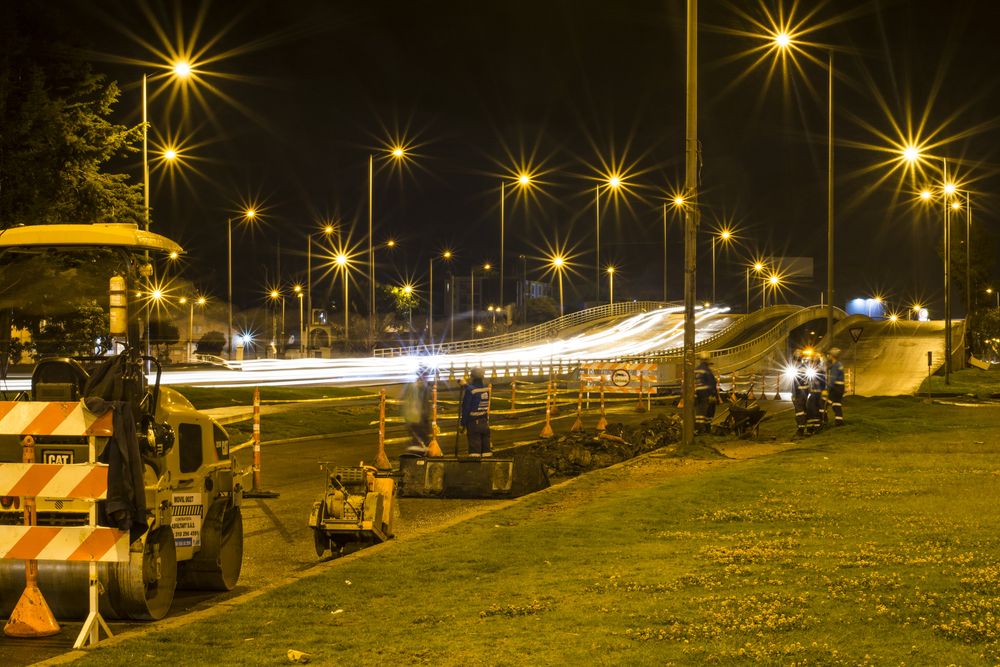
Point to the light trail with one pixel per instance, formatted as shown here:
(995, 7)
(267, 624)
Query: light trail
(646, 332)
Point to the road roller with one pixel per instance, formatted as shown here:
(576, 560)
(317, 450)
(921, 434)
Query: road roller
(193, 489)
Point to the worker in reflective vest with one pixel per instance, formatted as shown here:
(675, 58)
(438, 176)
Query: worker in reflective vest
(476, 414)
(800, 391)
(815, 401)
(836, 385)
(706, 394)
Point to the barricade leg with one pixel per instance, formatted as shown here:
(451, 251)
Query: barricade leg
(433, 447)
(257, 491)
(578, 424)
(602, 423)
(381, 460)
(31, 616)
(640, 406)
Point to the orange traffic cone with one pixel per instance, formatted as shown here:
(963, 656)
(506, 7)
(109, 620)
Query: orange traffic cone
(547, 429)
(32, 616)
(433, 448)
(578, 424)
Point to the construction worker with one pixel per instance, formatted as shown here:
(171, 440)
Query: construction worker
(706, 394)
(800, 391)
(835, 382)
(816, 398)
(476, 414)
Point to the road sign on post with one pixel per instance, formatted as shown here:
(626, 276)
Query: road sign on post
(855, 336)
(856, 333)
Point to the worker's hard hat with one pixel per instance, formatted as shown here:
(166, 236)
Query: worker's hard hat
(835, 352)
(477, 373)
(704, 356)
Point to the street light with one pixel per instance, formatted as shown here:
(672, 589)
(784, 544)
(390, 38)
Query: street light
(611, 283)
(472, 293)
(277, 295)
(990, 290)
(524, 181)
(398, 153)
(298, 292)
(612, 182)
(558, 263)
(327, 230)
(408, 291)
(784, 42)
(757, 268)
(249, 215)
(181, 69)
(724, 236)
(201, 301)
(343, 264)
(446, 255)
(912, 155)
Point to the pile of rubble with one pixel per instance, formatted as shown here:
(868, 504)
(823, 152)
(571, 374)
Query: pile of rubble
(581, 451)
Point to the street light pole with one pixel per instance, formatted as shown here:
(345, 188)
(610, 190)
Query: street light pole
(371, 250)
(947, 273)
(664, 252)
(502, 200)
(713, 268)
(968, 255)
(611, 283)
(229, 293)
(597, 251)
(829, 201)
(145, 157)
(691, 220)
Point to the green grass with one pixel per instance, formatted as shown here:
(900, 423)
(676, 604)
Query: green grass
(871, 544)
(307, 420)
(967, 381)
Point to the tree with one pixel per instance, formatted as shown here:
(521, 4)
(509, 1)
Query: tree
(162, 333)
(55, 136)
(211, 343)
(541, 309)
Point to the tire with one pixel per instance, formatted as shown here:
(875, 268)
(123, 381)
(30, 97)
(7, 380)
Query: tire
(217, 566)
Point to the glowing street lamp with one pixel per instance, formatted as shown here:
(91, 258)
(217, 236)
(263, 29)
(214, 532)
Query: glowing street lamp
(758, 268)
(398, 153)
(524, 181)
(784, 42)
(612, 182)
(298, 292)
(611, 283)
(911, 154)
(472, 293)
(277, 295)
(990, 290)
(724, 236)
(327, 230)
(446, 256)
(181, 69)
(201, 301)
(558, 263)
(343, 264)
(408, 291)
(249, 215)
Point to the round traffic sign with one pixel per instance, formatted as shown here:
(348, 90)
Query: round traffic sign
(621, 377)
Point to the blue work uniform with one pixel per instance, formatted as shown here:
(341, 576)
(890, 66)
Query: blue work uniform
(835, 376)
(706, 395)
(476, 417)
(815, 401)
(800, 394)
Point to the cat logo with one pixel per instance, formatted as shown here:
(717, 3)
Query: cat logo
(57, 456)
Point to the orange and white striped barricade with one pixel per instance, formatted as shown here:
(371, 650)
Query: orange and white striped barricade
(434, 447)
(578, 424)
(622, 378)
(602, 423)
(76, 481)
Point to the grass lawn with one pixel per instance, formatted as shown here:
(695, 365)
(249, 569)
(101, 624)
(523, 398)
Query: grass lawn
(871, 544)
(966, 381)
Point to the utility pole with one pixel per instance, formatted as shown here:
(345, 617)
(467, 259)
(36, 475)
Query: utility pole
(690, 219)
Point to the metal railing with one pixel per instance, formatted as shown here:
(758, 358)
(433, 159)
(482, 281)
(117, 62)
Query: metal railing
(533, 334)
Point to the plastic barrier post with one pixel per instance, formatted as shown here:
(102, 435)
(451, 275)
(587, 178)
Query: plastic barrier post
(513, 395)
(555, 394)
(90, 633)
(777, 387)
(547, 429)
(381, 460)
(434, 447)
(257, 491)
(31, 616)
(578, 424)
(602, 423)
(640, 407)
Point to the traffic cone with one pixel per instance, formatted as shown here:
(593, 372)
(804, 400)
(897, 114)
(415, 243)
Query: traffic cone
(578, 424)
(31, 616)
(602, 423)
(547, 429)
(433, 448)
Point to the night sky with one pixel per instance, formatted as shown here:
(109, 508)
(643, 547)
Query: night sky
(308, 89)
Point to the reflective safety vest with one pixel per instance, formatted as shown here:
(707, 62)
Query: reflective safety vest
(836, 374)
(475, 402)
(705, 384)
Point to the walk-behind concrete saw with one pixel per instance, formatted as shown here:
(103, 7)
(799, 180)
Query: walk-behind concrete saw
(356, 510)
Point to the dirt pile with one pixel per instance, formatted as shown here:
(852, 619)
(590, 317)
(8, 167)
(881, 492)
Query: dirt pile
(581, 451)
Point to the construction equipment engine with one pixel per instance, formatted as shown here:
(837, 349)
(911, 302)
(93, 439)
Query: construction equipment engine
(355, 511)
